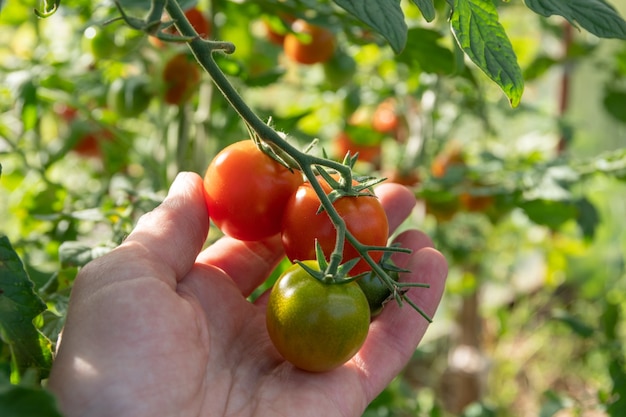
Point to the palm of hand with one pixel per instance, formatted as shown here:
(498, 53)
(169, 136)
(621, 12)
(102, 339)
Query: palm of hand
(154, 330)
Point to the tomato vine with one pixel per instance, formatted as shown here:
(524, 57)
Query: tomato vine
(281, 149)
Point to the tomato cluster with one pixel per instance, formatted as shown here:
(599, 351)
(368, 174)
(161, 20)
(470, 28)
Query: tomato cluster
(315, 322)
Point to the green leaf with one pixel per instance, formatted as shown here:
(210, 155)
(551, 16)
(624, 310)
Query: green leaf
(550, 213)
(19, 305)
(596, 16)
(384, 16)
(615, 102)
(480, 35)
(423, 51)
(427, 8)
(588, 217)
(20, 401)
(575, 324)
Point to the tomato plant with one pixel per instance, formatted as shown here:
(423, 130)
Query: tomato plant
(131, 96)
(309, 44)
(181, 76)
(314, 325)
(247, 191)
(303, 224)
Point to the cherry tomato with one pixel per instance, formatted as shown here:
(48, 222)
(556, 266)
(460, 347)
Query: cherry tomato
(309, 44)
(385, 119)
(475, 203)
(100, 41)
(302, 225)
(131, 96)
(375, 290)
(339, 70)
(181, 76)
(247, 191)
(343, 143)
(316, 326)
(450, 157)
(90, 144)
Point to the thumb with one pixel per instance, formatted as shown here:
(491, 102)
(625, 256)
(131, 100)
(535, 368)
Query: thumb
(173, 233)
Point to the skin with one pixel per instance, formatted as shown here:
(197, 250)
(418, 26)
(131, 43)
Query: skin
(161, 327)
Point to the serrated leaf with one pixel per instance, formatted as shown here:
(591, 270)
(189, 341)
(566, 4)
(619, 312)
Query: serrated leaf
(427, 8)
(596, 16)
(20, 401)
(19, 305)
(384, 16)
(480, 35)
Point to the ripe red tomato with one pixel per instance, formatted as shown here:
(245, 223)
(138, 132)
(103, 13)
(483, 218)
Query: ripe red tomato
(367, 153)
(316, 326)
(181, 76)
(247, 191)
(90, 144)
(309, 44)
(385, 119)
(364, 216)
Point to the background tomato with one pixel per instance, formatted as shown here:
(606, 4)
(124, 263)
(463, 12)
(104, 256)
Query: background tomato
(340, 69)
(181, 76)
(302, 225)
(130, 96)
(99, 41)
(247, 191)
(309, 44)
(316, 326)
(198, 20)
(367, 152)
(385, 118)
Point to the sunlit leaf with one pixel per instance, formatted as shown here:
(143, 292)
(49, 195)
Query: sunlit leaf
(427, 8)
(481, 36)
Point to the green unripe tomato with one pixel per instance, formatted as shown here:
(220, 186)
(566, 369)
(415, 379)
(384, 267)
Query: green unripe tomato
(100, 42)
(340, 69)
(314, 325)
(375, 290)
(131, 96)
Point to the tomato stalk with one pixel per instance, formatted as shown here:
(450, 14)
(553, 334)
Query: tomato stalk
(203, 51)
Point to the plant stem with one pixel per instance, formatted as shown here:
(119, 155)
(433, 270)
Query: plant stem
(203, 51)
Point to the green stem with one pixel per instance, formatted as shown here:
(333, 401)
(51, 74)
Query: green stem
(203, 51)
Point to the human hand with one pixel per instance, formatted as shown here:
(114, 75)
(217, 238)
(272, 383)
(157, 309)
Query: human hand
(158, 327)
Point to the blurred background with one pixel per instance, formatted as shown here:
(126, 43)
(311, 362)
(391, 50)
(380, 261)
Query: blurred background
(527, 203)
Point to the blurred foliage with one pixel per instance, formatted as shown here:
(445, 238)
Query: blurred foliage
(526, 202)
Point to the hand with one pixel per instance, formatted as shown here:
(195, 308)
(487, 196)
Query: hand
(159, 328)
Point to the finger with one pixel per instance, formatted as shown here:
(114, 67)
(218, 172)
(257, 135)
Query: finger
(395, 334)
(170, 237)
(247, 263)
(397, 200)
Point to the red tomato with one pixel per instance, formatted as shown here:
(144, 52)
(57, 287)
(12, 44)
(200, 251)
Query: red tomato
(367, 153)
(309, 44)
(385, 118)
(302, 224)
(181, 76)
(247, 191)
(197, 19)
